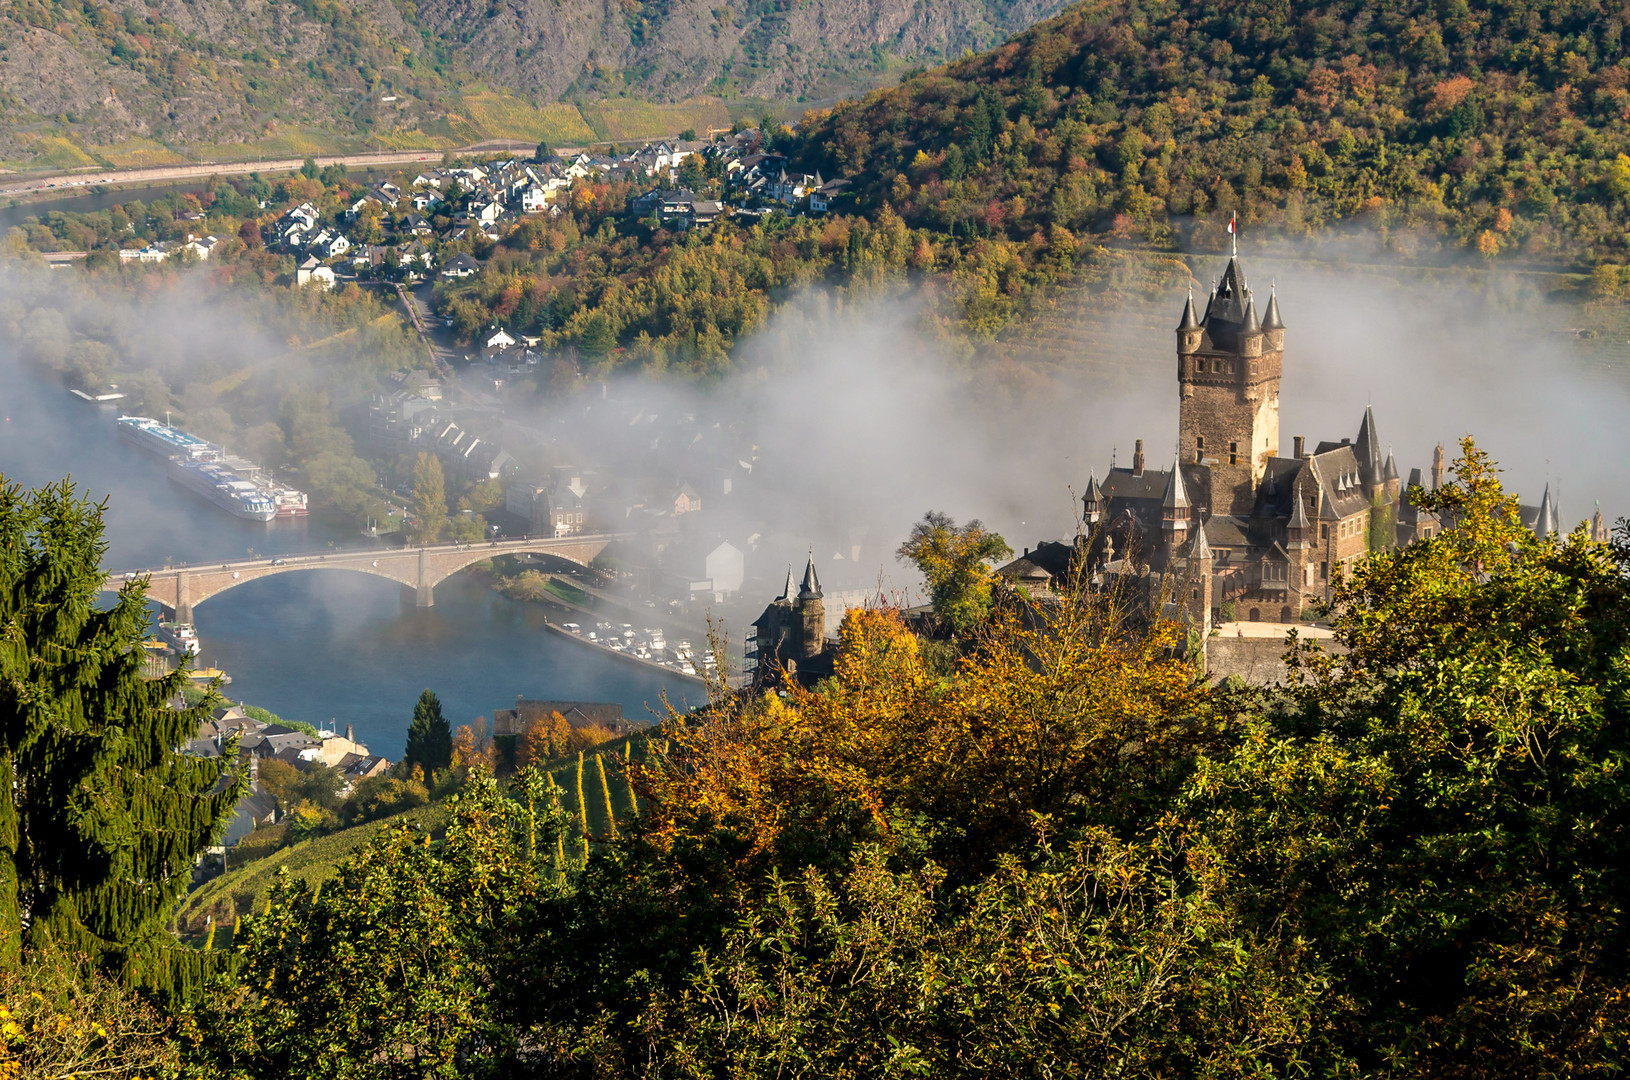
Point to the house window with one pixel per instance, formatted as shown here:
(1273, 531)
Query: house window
(1233, 453)
(1324, 532)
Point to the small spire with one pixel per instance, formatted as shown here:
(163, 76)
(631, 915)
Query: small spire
(1250, 325)
(1200, 547)
(1177, 495)
(1544, 521)
(1190, 320)
(786, 590)
(1095, 494)
(1271, 320)
(812, 582)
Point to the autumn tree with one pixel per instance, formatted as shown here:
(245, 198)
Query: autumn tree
(953, 560)
(429, 500)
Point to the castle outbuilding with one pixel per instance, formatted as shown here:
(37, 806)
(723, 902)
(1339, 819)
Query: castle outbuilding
(790, 637)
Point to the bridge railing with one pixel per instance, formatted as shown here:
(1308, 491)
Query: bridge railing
(116, 578)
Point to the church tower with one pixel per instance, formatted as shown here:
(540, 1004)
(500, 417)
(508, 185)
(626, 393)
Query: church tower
(1229, 362)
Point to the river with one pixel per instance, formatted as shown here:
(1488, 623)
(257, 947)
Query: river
(330, 648)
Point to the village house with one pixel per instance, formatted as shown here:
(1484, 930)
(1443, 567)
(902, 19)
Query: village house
(461, 266)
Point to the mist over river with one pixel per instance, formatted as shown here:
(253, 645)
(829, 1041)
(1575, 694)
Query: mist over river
(326, 647)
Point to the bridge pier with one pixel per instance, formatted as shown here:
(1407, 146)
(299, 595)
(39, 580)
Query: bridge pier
(183, 598)
(426, 591)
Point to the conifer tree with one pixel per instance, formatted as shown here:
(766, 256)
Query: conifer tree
(429, 739)
(101, 816)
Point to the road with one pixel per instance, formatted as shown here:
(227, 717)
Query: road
(68, 183)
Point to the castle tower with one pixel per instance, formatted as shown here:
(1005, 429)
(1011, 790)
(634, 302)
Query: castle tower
(1437, 467)
(1598, 526)
(813, 612)
(1229, 363)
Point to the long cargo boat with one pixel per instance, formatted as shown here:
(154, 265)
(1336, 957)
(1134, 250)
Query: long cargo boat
(167, 442)
(233, 484)
(225, 488)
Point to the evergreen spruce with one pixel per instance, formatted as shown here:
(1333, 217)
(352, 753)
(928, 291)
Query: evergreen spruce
(429, 739)
(101, 816)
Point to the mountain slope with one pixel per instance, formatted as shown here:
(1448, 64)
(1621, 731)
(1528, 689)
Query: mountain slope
(139, 81)
(1494, 126)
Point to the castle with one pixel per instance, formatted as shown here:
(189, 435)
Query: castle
(1233, 529)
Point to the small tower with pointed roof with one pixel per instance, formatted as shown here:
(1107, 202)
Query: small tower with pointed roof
(1174, 514)
(1229, 363)
(812, 609)
(1092, 503)
(1200, 581)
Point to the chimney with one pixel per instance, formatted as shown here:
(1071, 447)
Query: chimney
(350, 736)
(1137, 458)
(1301, 446)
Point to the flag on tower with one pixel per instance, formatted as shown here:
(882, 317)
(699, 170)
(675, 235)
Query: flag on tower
(1231, 215)
(1233, 230)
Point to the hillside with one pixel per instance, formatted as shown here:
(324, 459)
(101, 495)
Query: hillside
(1493, 127)
(133, 82)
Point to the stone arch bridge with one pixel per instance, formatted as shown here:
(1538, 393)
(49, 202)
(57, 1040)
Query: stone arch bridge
(421, 569)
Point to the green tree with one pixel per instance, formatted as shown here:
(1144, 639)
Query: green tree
(952, 560)
(101, 815)
(405, 965)
(429, 500)
(429, 739)
(1441, 815)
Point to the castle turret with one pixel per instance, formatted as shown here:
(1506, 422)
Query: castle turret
(813, 612)
(1598, 526)
(1200, 581)
(1174, 513)
(1092, 503)
(1367, 449)
(1228, 382)
(1188, 330)
(1437, 467)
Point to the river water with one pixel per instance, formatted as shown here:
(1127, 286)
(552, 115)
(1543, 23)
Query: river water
(327, 647)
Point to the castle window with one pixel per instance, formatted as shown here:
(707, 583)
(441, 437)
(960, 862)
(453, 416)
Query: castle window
(1324, 532)
(1200, 443)
(1324, 571)
(1233, 453)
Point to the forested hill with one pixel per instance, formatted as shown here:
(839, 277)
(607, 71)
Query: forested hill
(1496, 126)
(135, 82)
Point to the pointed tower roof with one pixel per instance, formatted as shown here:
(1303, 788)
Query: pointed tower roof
(1094, 492)
(1251, 324)
(786, 590)
(1389, 471)
(1368, 448)
(811, 589)
(1298, 516)
(1545, 520)
(1191, 321)
(1200, 547)
(1408, 513)
(1271, 319)
(1177, 495)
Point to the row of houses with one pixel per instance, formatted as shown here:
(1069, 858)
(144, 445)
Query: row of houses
(406, 421)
